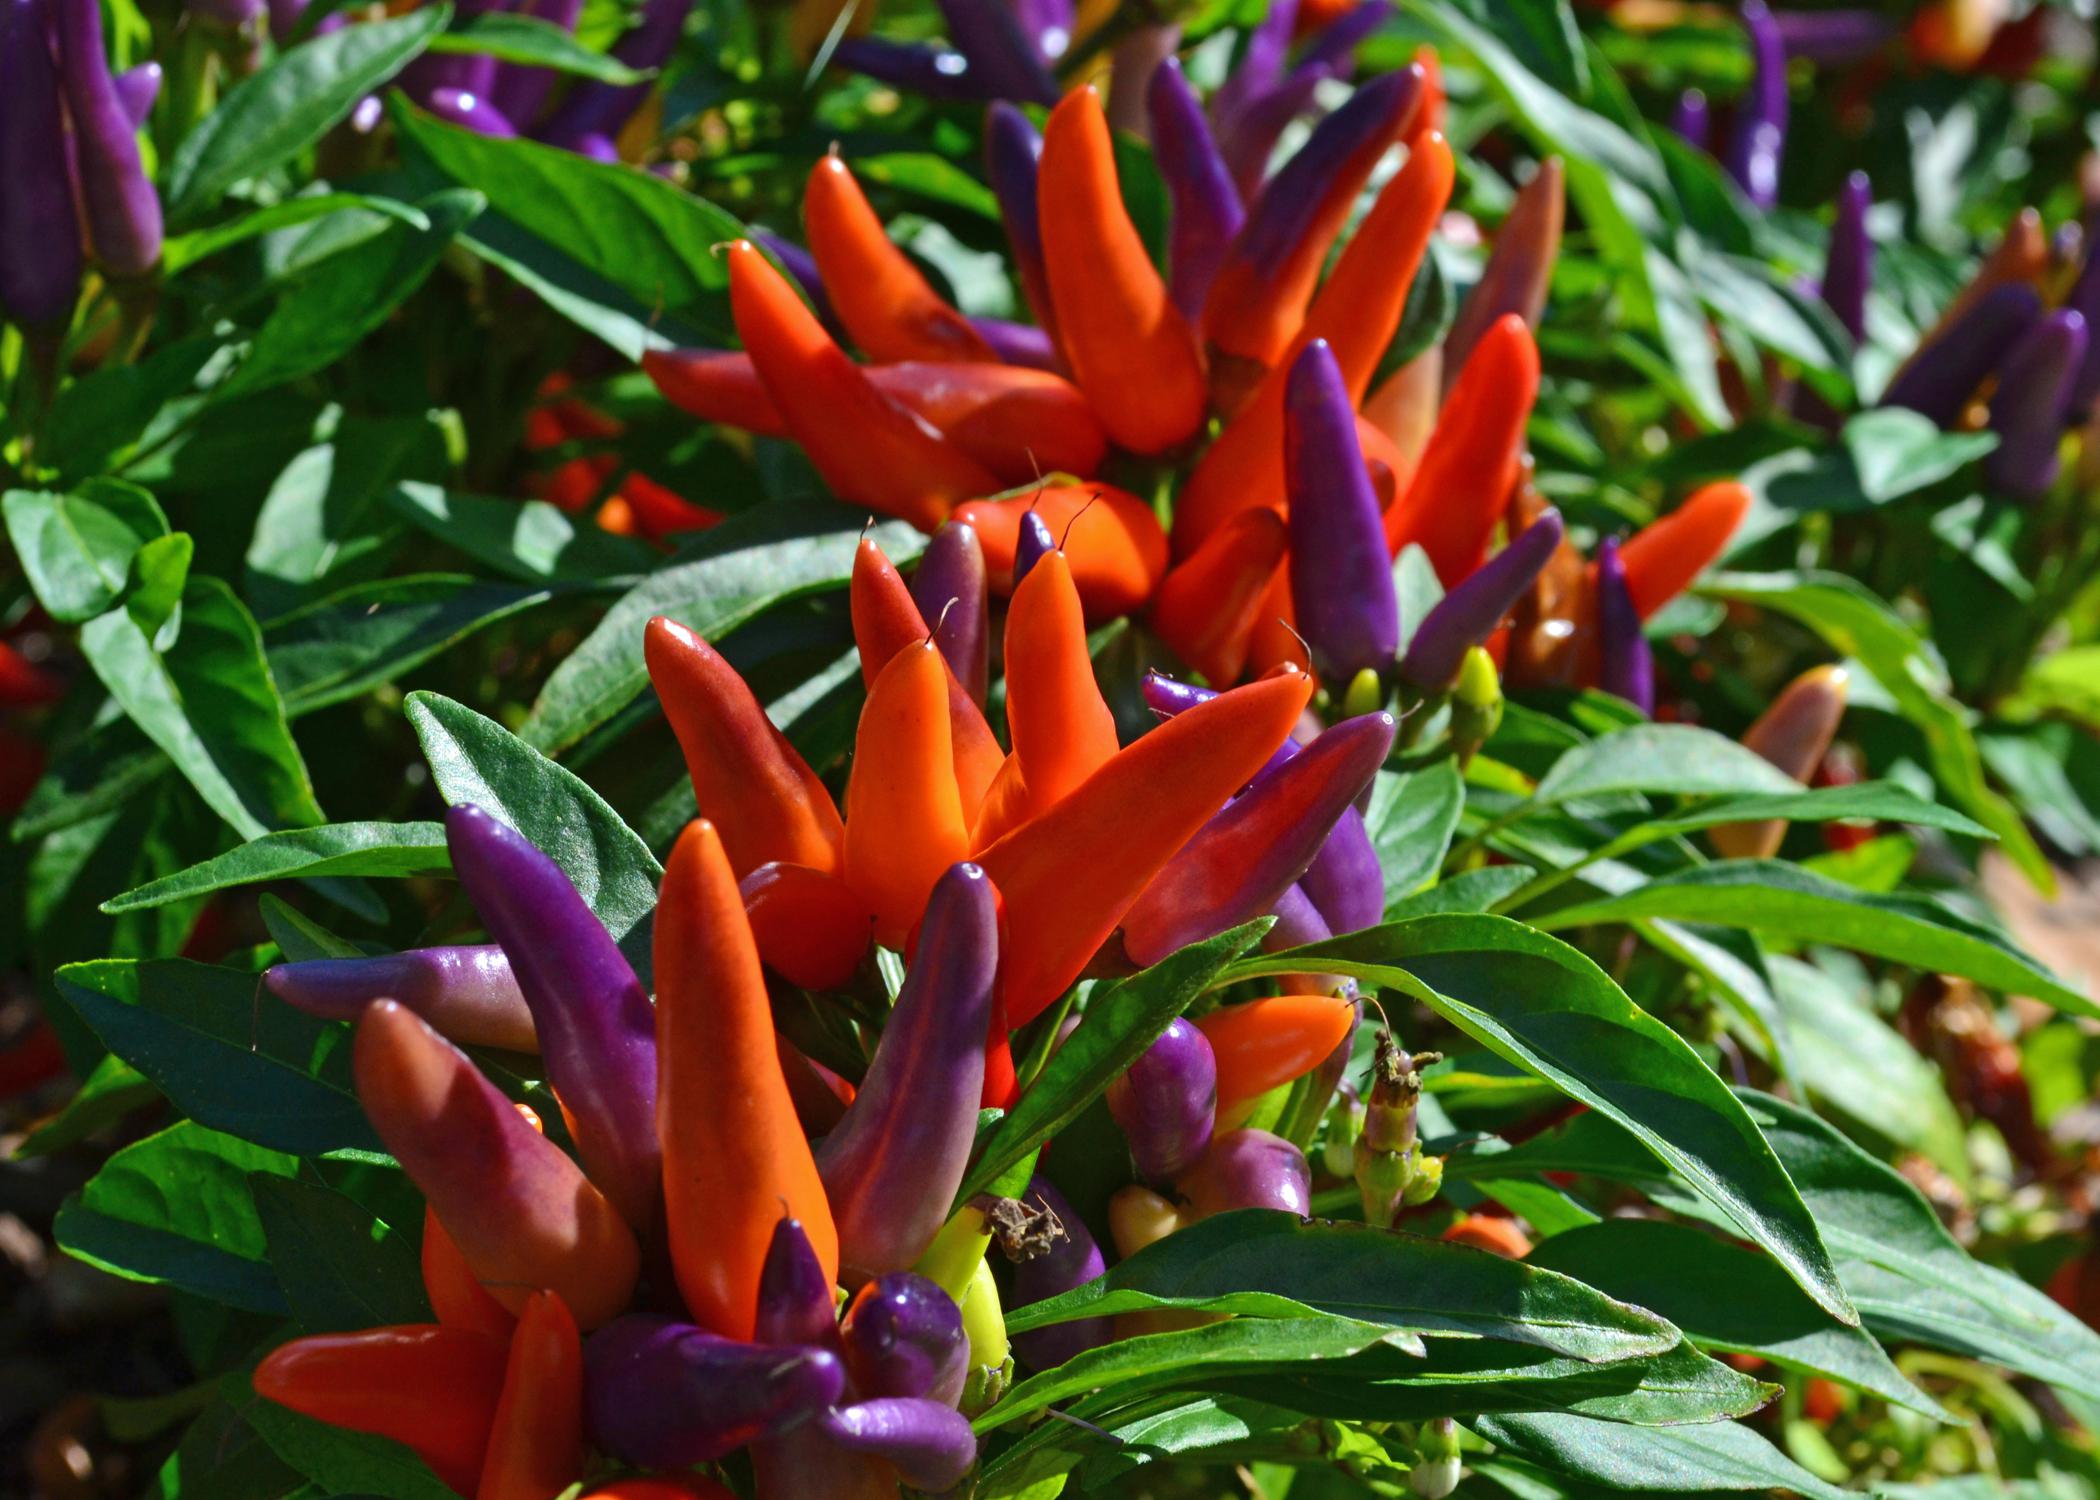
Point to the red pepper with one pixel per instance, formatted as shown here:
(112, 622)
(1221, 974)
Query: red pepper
(886, 305)
(456, 1294)
(1112, 540)
(734, 1152)
(904, 816)
(1069, 875)
(809, 926)
(659, 512)
(1209, 605)
(23, 684)
(430, 1388)
(1663, 557)
(755, 786)
(869, 450)
(1130, 349)
(536, 1440)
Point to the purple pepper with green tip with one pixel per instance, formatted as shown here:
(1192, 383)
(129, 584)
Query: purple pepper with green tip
(1036, 543)
(1012, 149)
(468, 993)
(661, 1394)
(1473, 609)
(795, 1304)
(40, 259)
(1072, 1260)
(1167, 1102)
(1238, 864)
(1758, 137)
(597, 1029)
(2031, 402)
(1626, 661)
(950, 589)
(892, 1166)
(1341, 579)
(931, 1444)
(1942, 376)
(121, 209)
(1207, 213)
(903, 1336)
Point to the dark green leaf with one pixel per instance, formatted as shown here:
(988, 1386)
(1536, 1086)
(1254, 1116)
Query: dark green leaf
(1411, 819)
(532, 42)
(343, 1462)
(384, 849)
(107, 1095)
(1716, 1456)
(527, 540)
(76, 552)
(187, 249)
(341, 1269)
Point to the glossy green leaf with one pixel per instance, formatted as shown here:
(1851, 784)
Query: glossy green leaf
(341, 1269)
(1411, 818)
(528, 540)
(532, 42)
(1675, 759)
(1714, 1457)
(1538, 1003)
(76, 552)
(113, 1090)
(383, 849)
(187, 249)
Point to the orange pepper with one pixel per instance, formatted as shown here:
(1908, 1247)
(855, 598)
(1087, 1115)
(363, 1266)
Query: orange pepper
(1111, 538)
(1265, 1043)
(1492, 1233)
(1463, 483)
(1553, 630)
(904, 816)
(456, 1295)
(734, 1152)
(886, 620)
(877, 292)
(869, 450)
(1062, 729)
(761, 794)
(1357, 311)
(660, 1487)
(1663, 557)
(1068, 876)
(809, 926)
(1129, 347)
(430, 1388)
(1404, 407)
(661, 512)
(1208, 606)
(1429, 115)
(536, 1440)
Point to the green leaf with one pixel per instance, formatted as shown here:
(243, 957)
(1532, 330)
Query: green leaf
(341, 1269)
(342, 1462)
(221, 1457)
(2063, 682)
(1209, 1428)
(1717, 1456)
(1264, 1264)
(294, 101)
(1474, 891)
(474, 759)
(1676, 759)
(535, 43)
(1122, 1020)
(1772, 896)
(176, 1208)
(225, 1053)
(299, 938)
(209, 702)
(187, 249)
(384, 849)
(107, 1095)
(77, 553)
(321, 520)
(727, 576)
(1410, 819)
(330, 310)
(1852, 620)
(1539, 1004)
(371, 634)
(1725, 1297)
(527, 540)
(647, 237)
(1897, 452)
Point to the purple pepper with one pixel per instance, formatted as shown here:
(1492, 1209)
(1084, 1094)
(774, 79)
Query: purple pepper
(1047, 24)
(1334, 45)
(1469, 614)
(1692, 120)
(892, 1166)
(2084, 299)
(1260, 66)
(40, 259)
(599, 109)
(122, 212)
(1518, 270)
(1249, 1169)
(1167, 1102)
(660, 1394)
(519, 92)
(1627, 664)
(931, 1444)
(795, 1303)
(469, 72)
(1944, 374)
(1000, 53)
(930, 70)
(950, 589)
(137, 88)
(1298, 922)
(1239, 863)
(904, 1336)
(1248, 139)
(1207, 212)
(467, 994)
(1136, 58)
(1035, 543)
(1012, 148)
(1166, 697)
(1832, 36)
(596, 1027)
(1848, 267)
(1021, 344)
(469, 111)
(801, 267)
(1758, 136)
(1341, 578)
(2031, 403)
(1073, 1260)
(285, 16)
(1345, 882)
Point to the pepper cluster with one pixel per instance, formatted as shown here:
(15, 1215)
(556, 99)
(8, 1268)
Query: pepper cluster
(73, 185)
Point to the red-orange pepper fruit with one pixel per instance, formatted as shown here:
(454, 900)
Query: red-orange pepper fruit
(536, 1439)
